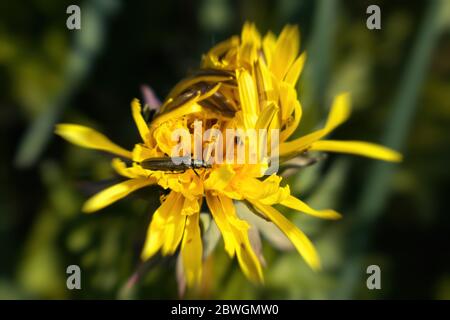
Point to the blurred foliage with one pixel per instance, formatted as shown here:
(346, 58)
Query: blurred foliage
(399, 78)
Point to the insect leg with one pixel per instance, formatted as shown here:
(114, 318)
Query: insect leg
(196, 173)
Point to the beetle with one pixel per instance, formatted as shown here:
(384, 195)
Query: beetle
(174, 164)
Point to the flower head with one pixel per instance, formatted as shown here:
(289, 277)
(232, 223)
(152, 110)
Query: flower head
(244, 83)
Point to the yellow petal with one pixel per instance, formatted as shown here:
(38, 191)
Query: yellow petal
(288, 97)
(156, 233)
(250, 34)
(188, 108)
(116, 192)
(190, 82)
(192, 250)
(248, 97)
(339, 113)
(266, 116)
(267, 191)
(269, 43)
(164, 139)
(170, 111)
(222, 47)
(174, 227)
(139, 120)
(289, 104)
(235, 235)
(263, 77)
(361, 148)
(89, 138)
(220, 217)
(277, 196)
(219, 178)
(122, 169)
(250, 43)
(141, 152)
(297, 237)
(285, 52)
(190, 206)
(292, 125)
(135, 171)
(296, 69)
(296, 204)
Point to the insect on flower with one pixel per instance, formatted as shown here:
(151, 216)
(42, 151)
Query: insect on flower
(247, 82)
(174, 164)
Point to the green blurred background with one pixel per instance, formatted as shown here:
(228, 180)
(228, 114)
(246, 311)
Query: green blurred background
(395, 216)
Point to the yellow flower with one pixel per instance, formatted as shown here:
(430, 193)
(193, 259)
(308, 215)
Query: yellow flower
(246, 82)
